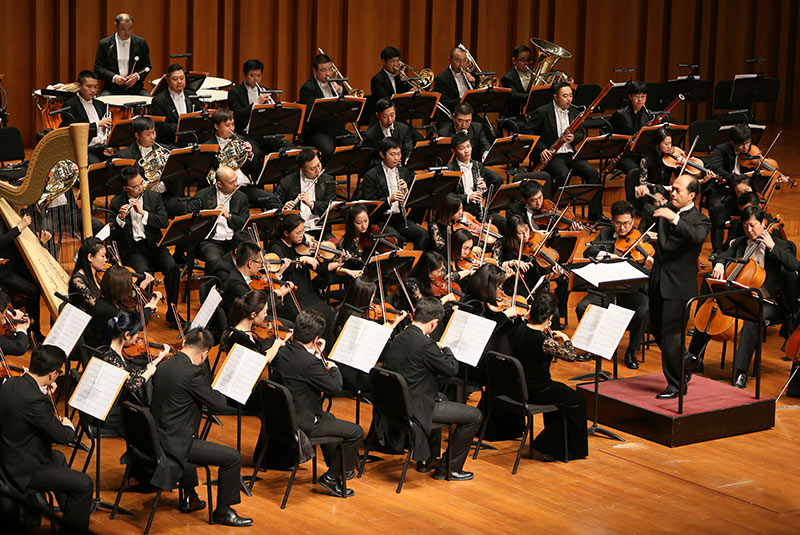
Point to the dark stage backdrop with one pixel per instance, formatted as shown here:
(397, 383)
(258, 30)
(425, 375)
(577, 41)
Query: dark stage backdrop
(46, 41)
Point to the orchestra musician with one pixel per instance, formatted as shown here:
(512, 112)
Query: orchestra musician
(629, 120)
(550, 121)
(173, 102)
(481, 297)
(387, 81)
(243, 97)
(85, 108)
(325, 138)
(421, 361)
(452, 83)
(235, 209)
(301, 368)
(141, 216)
(651, 167)
(224, 132)
(389, 182)
(518, 79)
(247, 267)
(635, 299)
(463, 250)
(181, 387)
(16, 342)
(778, 258)
(449, 211)
(476, 179)
(115, 61)
(15, 278)
(309, 190)
(745, 199)
(462, 123)
(387, 126)
(681, 229)
(84, 283)
(358, 238)
(426, 279)
(29, 428)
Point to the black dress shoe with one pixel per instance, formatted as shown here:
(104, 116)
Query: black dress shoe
(669, 393)
(350, 474)
(334, 486)
(539, 456)
(692, 363)
(740, 380)
(601, 219)
(586, 357)
(455, 475)
(423, 467)
(228, 517)
(191, 503)
(630, 360)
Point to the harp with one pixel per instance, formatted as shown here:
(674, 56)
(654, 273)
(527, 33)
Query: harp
(69, 143)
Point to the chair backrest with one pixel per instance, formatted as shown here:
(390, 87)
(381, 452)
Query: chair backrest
(390, 393)
(706, 132)
(280, 418)
(140, 432)
(505, 376)
(11, 146)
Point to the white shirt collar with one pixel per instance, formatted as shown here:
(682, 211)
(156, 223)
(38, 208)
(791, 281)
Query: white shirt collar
(174, 95)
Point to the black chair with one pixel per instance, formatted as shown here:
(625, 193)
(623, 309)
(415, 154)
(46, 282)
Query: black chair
(280, 426)
(11, 146)
(390, 399)
(508, 391)
(144, 450)
(22, 510)
(706, 131)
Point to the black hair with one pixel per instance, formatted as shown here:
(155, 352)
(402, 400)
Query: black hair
(557, 86)
(305, 156)
(174, 67)
(528, 188)
(427, 309)
(142, 123)
(693, 186)
(510, 240)
(128, 173)
(519, 50)
(252, 302)
(484, 283)
(382, 105)
(199, 338)
(319, 59)
(252, 65)
(428, 262)
(86, 75)
(544, 305)
(221, 116)
(454, 50)
(288, 224)
(390, 52)
(245, 252)
(388, 143)
(446, 209)
(748, 198)
(465, 108)
(621, 208)
(348, 241)
(46, 359)
(741, 179)
(5, 300)
(457, 240)
(753, 211)
(123, 17)
(458, 139)
(308, 325)
(89, 246)
(124, 322)
(740, 133)
(358, 296)
(635, 87)
(654, 157)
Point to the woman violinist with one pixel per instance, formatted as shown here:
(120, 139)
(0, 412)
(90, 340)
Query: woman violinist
(84, 284)
(447, 212)
(14, 341)
(358, 241)
(465, 256)
(652, 169)
(426, 279)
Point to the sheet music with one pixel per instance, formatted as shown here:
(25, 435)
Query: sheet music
(360, 343)
(239, 373)
(207, 309)
(601, 330)
(467, 335)
(605, 272)
(98, 388)
(104, 233)
(68, 328)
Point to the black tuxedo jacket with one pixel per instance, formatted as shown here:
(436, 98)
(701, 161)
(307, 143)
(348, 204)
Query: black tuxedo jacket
(106, 67)
(625, 122)
(723, 160)
(224, 267)
(239, 104)
(206, 199)
(478, 171)
(603, 242)
(180, 390)
(325, 191)
(130, 152)
(445, 83)
(76, 114)
(374, 187)
(306, 377)
(28, 429)
(233, 287)
(543, 124)
(782, 257)
(678, 246)
(381, 86)
(156, 221)
(518, 97)
(401, 133)
(477, 136)
(163, 106)
(309, 92)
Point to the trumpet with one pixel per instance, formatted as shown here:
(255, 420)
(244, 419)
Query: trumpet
(348, 89)
(473, 68)
(424, 78)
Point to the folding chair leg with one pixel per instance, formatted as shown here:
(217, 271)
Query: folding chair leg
(125, 477)
(367, 446)
(210, 498)
(405, 469)
(566, 444)
(76, 447)
(92, 446)
(483, 431)
(152, 513)
(289, 486)
(344, 473)
(259, 462)
(314, 465)
(522, 444)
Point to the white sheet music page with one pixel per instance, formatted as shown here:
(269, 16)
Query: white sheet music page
(98, 388)
(604, 272)
(68, 328)
(467, 335)
(211, 303)
(239, 373)
(601, 330)
(360, 343)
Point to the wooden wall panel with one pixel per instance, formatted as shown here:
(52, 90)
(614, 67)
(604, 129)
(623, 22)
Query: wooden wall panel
(48, 41)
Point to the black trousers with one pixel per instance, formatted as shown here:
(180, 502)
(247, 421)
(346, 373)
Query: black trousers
(719, 213)
(73, 490)
(328, 425)
(665, 320)
(28, 292)
(559, 167)
(211, 251)
(151, 259)
(467, 419)
(635, 300)
(229, 462)
(551, 439)
(327, 141)
(414, 233)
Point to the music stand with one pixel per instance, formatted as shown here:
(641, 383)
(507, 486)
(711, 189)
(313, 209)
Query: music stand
(266, 220)
(122, 132)
(402, 261)
(723, 134)
(427, 189)
(601, 147)
(415, 105)
(510, 151)
(189, 229)
(487, 99)
(195, 162)
(430, 153)
(695, 91)
(505, 195)
(538, 96)
(277, 119)
(614, 99)
(341, 109)
(103, 177)
(351, 160)
(578, 194)
(278, 165)
(754, 88)
(199, 122)
(585, 94)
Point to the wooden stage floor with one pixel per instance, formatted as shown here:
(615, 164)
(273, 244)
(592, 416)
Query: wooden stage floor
(743, 484)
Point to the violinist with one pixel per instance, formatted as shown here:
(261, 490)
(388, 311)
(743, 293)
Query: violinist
(426, 279)
(778, 258)
(390, 182)
(465, 256)
(15, 277)
(651, 168)
(248, 315)
(248, 267)
(605, 246)
(475, 179)
(84, 283)
(141, 217)
(725, 163)
(629, 120)
(359, 239)
(447, 212)
(15, 342)
(681, 229)
(481, 297)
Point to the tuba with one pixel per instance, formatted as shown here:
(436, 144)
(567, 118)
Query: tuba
(347, 87)
(232, 155)
(424, 77)
(549, 54)
(472, 67)
(153, 165)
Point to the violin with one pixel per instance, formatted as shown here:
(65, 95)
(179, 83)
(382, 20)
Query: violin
(753, 159)
(473, 261)
(504, 302)
(488, 232)
(533, 249)
(366, 241)
(326, 250)
(567, 217)
(266, 330)
(640, 251)
(137, 349)
(375, 313)
(439, 287)
(792, 347)
(676, 159)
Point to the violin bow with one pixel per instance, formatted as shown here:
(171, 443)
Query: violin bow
(375, 245)
(689, 155)
(547, 236)
(178, 321)
(485, 244)
(380, 288)
(634, 244)
(763, 157)
(449, 260)
(405, 290)
(516, 275)
(322, 230)
(268, 275)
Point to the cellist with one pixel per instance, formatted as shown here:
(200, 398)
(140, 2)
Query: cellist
(778, 258)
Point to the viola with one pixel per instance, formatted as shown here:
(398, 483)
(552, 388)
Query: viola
(375, 313)
(641, 251)
(676, 159)
(366, 241)
(534, 250)
(481, 231)
(439, 287)
(327, 249)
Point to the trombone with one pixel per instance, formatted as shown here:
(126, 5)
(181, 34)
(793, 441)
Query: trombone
(419, 80)
(348, 89)
(483, 80)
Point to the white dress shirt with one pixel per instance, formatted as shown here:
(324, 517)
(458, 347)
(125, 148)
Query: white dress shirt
(387, 132)
(123, 54)
(327, 89)
(684, 209)
(525, 78)
(467, 179)
(562, 123)
(91, 113)
(461, 82)
(393, 183)
(252, 94)
(308, 186)
(391, 80)
(221, 230)
(179, 99)
(138, 221)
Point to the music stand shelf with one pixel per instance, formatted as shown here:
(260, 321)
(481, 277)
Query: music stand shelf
(282, 118)
(430, 153)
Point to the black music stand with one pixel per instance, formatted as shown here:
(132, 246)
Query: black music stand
(430, 153)
(505, 195)
(391, 263)
(585, 94)
(278, 165)
(103, 177)
(510, 151)
(276, 119)
(723, 134)
(199, 122)
(615, 99)
(601, 148)
(415, 105)
(487, 100)
(266, 220)
(122, 131)
(195, 162)
(578, 194)
(754, 88)
(350, 160)
(341, 109)
(538, 96)
(426, 190)
(194, 79)
(189, 229)
(695, 91)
